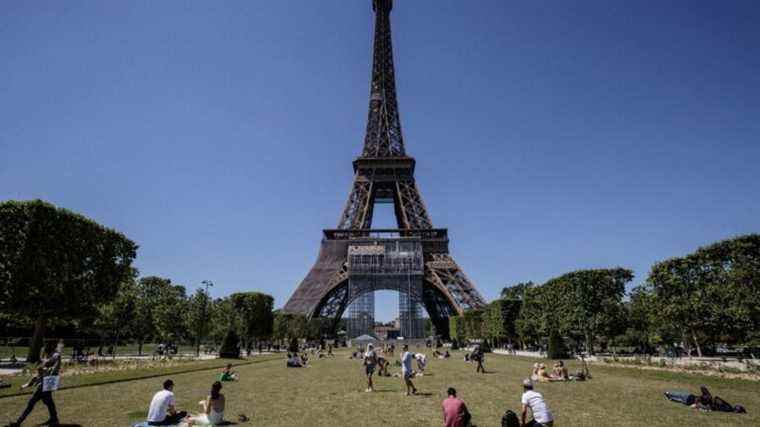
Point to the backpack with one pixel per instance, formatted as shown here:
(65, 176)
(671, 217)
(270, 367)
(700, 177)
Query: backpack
(509, 419)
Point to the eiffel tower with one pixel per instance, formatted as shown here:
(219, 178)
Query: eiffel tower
(356, 260)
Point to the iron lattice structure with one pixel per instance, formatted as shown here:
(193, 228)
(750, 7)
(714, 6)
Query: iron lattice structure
(384, 173)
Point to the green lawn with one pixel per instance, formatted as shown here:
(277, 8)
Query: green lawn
(132, 371)
(330, 393)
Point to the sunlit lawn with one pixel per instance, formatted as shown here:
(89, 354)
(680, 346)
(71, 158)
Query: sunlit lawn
(331, 392)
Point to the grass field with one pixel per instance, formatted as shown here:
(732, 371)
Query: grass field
(330, 393)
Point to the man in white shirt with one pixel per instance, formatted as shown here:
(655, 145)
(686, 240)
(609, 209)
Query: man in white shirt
(406, 370)
(162, 410)
(370, 360)
(542, 417)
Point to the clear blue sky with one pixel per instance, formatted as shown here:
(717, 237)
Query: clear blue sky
(549, 136)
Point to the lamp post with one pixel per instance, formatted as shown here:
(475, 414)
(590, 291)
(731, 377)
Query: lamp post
(202, 321)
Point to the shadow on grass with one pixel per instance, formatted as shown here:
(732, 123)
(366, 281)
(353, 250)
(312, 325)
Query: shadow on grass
(62, 425)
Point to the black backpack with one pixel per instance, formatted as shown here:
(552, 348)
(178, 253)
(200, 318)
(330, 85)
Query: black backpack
(510, 419)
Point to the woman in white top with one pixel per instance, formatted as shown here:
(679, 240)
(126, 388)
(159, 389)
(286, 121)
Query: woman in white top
(213, 408)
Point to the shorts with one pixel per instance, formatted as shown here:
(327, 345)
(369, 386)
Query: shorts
(369, 369)
(408, 375)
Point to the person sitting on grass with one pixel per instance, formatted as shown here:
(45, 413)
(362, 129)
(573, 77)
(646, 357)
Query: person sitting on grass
(228, 374)
(370, 360)
(543, 376)
(534, 401)
(455, 413)
(406, 370)
(212, 408)
(293, 361)
(163, 411)
(559, 373)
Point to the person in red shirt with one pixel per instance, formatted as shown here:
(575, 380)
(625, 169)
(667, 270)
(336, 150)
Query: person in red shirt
(455, 413)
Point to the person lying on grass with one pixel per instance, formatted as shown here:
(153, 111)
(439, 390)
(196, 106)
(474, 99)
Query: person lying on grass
(212, 408)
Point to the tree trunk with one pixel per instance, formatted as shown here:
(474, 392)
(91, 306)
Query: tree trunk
(696, 343)
(589, 343)
(139, 347)
(35, 346)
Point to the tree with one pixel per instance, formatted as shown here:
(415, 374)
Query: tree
(230, 345)
(589, 302)
(535, 320)
(171, 302)
(116, 318)
(516, 292)
(197, 314)
(146, 299)
(710, 295)
(255, 312)
(223, 317)
(55, 263)
(457, 330)
(500, 319)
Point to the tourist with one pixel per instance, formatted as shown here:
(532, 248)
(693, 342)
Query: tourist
(293, 361)
(543, 375)
(534, 373)
(212, 407)
(455, 413)
(406, 370)
(559, 373)
(479, 357)
(50, 366)
(382, 364)
(370, 360)
(228, 374)
(534, 401)
(421, 361)
(163, 411)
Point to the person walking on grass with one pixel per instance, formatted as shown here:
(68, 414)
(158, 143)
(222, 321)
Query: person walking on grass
(370, 360)
(534, 401)
(406, 370)
(478, 356)
(49, 369)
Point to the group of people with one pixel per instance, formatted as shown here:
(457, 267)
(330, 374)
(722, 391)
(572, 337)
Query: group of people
(559, 373)
(371, 360)
(163, 408)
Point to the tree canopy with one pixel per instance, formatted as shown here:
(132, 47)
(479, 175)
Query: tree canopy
(56, 263)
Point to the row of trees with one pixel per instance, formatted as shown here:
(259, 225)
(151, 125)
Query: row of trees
(709, 297)
(58, 268)
(152, 309)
